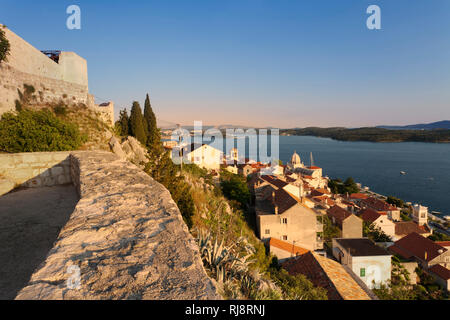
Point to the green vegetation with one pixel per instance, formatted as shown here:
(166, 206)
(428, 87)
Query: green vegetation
(399, 287)
(122, 125)
(399, 203)
(152, 131)
(137, 123)
(4, 46)
(338, 187)
(296, 287)
(375, 234)
(25, 97)
(372, 134)
(330, 231)
(32, 131)
(438, 236)
(234, 187)
(230, 250)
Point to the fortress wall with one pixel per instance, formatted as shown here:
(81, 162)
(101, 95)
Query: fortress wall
(126, 236)
(37, 169)
(65, 81)
(47, 90)
(26, 58)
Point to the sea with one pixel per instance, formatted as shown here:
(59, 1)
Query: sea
(378, 166)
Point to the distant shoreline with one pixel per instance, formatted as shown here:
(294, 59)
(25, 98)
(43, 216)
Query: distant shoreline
(372, 134)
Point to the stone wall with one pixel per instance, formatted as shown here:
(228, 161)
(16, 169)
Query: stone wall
(26, 58)
(47, 91)
(62, 82)
(126, 236)
(38, 169)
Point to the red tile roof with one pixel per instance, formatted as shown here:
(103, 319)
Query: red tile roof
(314, 167)
(414, 245)
(369, 215)
(407, 227)
(283, 200)
(274, 181)
(440, 271)
(295, 250)
(378, 204)
(339, 214)
(358, 196)
(328, 274)
(443, 243)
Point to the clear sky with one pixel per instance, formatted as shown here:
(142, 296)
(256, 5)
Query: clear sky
(256, 62)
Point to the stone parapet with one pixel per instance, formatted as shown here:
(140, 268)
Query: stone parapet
(126, 237)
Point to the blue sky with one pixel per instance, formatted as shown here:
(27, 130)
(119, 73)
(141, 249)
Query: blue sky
(256, 62)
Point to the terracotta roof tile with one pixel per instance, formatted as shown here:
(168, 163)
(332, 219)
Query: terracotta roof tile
(440, 271)
(369, 215)
(416, 245)
(358, 196)
(339, 214)
(378, 204)
(295, 250)
(407, 227)
(327, 274)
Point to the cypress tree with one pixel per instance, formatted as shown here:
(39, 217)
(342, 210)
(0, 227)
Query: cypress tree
(153, 135)
(122, 123)
(137, 123)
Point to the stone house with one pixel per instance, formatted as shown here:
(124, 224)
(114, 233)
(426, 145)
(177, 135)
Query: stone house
(379, 220)
(349, 224)
(279, 215)
(371, 263)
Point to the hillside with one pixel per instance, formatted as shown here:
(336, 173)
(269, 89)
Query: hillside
(372, 134)
(445, 124)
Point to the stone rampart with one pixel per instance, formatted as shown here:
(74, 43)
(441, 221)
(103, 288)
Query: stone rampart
(126, 238)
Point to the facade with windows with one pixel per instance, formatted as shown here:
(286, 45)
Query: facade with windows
(372, 264)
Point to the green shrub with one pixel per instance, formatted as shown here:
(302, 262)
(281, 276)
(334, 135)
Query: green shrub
(32, 131)
(4, 46)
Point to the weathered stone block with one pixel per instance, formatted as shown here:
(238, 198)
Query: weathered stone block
(6, 162)
(6, 186)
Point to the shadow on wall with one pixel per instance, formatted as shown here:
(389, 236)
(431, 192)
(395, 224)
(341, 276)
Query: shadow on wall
(31, 216)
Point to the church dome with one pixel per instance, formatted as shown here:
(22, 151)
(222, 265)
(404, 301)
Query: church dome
(295, 159)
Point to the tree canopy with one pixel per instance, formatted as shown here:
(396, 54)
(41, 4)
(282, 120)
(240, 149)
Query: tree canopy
(4, 45)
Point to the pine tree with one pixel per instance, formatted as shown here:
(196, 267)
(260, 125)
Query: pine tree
(137, 123)
(122, 123)
(153, 135)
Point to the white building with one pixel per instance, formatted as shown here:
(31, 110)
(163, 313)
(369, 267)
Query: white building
(202, 155)
(420, 214)
(371, 263)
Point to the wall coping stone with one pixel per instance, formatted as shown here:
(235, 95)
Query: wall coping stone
(127, 237)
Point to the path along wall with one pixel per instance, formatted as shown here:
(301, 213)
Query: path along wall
(126, 236)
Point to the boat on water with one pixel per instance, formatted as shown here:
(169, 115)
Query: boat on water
(402, 172)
